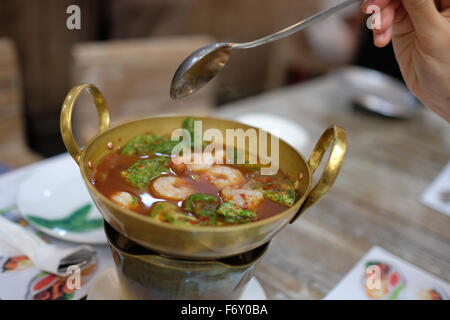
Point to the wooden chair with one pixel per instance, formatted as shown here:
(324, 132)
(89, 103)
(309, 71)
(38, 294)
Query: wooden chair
(14, 151)
(134, 76)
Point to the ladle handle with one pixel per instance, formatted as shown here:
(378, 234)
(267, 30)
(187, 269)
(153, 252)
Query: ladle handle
(66, 116)
(337, 137)
(297, 27)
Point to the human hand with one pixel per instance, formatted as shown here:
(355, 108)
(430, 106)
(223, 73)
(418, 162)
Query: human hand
(420, 33)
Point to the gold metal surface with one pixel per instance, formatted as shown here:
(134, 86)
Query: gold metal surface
(66, 116)
(144, 274)
(197, 242)
(338, 137)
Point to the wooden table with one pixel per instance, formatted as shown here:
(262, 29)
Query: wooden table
(375, 200)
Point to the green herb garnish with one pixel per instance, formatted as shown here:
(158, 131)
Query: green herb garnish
(232, 213)
(274, 187)
(151, 143)
(168, 212)
(188, 124)
(140, 173)
(203, 205)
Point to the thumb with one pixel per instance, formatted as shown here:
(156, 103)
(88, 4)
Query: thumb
(424, 15)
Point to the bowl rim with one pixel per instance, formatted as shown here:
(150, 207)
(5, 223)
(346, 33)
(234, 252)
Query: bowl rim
(200, 229)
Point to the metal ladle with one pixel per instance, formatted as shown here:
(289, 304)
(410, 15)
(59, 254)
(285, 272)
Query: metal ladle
(202, 65)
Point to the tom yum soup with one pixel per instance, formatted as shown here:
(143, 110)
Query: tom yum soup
(145, 177)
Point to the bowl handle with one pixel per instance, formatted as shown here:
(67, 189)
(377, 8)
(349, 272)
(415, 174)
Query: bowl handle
(338, 137)
(66, 116)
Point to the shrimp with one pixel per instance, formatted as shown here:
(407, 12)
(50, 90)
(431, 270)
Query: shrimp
(124, 199)
(171, 188)
(223, 176)
(244, 198)
(180, 163)
(218, 156)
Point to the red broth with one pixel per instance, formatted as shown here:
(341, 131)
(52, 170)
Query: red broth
(107, 179)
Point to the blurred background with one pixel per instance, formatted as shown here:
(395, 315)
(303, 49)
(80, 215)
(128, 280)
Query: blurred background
(130, 50)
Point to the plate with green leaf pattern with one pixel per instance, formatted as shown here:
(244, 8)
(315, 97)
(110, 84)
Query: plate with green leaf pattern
(55, 200)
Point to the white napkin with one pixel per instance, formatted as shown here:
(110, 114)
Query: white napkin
(44, 256)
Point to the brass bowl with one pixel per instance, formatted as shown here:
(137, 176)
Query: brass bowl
(146, 275)
(197, 242)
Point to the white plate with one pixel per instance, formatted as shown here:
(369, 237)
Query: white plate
(106, 286)
(288, 130)
(378, 92)
(54, 191)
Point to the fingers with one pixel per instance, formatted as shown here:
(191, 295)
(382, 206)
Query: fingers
(444, 8)
(402, 22)
(420, 15)
(444, 4)
(379, 3)
(382, 33)
(424, 15)
(382, 39)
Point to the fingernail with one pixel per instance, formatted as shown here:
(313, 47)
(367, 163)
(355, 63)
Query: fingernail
(378, 39)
